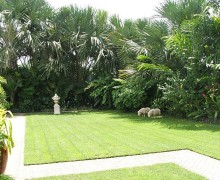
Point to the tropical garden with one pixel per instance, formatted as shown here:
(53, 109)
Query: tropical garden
(94, 60)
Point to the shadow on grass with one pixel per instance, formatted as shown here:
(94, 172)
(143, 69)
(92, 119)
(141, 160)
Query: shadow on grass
(168, 122)
(189, 125)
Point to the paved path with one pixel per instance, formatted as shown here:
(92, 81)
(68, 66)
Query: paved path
(200, 164)
(15, 166)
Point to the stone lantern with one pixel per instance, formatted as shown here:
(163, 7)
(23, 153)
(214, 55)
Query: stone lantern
(56, 105)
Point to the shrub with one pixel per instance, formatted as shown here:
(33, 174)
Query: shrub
(131, 94)
(101, 91)
(3, 103)
(140, 88)
(192, 97)
(135, 92)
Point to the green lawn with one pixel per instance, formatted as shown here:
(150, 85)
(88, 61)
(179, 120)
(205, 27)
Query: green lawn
(100, 134)
(5, 177)
(160, 171)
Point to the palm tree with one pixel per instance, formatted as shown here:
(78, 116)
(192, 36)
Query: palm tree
(178, 11)
(23, 27)
(84, 36)
(9, 48)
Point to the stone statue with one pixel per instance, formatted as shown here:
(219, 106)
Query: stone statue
(56, 105)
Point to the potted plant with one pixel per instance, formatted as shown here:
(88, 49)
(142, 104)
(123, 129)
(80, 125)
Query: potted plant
(6, 140)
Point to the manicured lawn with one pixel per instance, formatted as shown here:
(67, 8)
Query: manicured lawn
(100, 134)
(156, 172)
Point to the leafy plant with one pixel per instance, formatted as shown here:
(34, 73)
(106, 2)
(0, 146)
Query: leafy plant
(134, 92)
(212, 104)
(3, 103)
(5, 177)
(6, 140)
(14, 82)
(101, 91)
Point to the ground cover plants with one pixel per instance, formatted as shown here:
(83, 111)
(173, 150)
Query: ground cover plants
(100, 134)
(160, 171)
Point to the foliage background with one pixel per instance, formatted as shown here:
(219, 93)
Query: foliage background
(92, 59)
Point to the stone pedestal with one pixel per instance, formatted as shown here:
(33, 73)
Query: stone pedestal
(56, 109)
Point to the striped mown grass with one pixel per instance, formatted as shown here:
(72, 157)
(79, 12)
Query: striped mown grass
(157, 172)
(100, 134)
